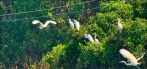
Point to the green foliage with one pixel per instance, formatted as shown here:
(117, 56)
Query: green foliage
(135, 31)
(1, 9)
(56, 58)
(89, 56)
(139, 8)
(61, 47)
(119, 8)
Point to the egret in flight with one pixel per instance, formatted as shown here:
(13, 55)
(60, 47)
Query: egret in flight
(77, 24)
(130, 57)
(119, 26)
(43, 25)
(96, 40)
(71, 23)
(89, 37)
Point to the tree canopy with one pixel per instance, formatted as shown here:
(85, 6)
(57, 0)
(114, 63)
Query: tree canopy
(25, 46)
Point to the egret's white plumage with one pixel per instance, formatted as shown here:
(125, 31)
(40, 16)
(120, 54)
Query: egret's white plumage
(119, 26)
(47, 22)
(43, 25)
(77, 24)
(130, 57)
(89, 37)
(71, 23)
(35, 22)
(96, 40)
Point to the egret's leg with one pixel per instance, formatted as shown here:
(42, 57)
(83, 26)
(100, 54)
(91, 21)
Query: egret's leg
(137, 67)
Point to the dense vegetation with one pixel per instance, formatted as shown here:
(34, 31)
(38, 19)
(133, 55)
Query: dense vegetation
(24, 45)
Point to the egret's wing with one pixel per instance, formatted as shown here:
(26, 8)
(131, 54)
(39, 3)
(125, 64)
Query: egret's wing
(127, 54)
(90, 38)
(35, 22)
(120, 26)
(141, 56)
(53, 22)
(47, 22)
(77, 24)
(96, 41)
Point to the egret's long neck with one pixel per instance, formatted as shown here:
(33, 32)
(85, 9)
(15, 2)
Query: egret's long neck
(69, 20)
(94, 37)
(127, 63)
(131, 64)
(119, 22)
(86, 35)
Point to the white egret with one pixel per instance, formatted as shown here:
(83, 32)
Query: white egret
(89, 37)
(96, 40)
(43, 25)
(130, 57)
(119, 26)
(71, 23)
(77, 24)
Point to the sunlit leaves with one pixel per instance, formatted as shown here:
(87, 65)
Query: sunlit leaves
(89, 56)
(123, 10)
(56, 57)
(60, 46)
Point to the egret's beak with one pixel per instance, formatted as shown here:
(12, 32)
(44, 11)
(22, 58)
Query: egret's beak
(120, 62)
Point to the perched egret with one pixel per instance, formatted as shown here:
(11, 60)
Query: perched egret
(71, 23)
(89, 37)
(130, 57)
(77, 24)
(96, 40)
(43, 25)
(119, 26)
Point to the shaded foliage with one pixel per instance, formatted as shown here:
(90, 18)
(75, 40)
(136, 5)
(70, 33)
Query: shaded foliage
(60, 47)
